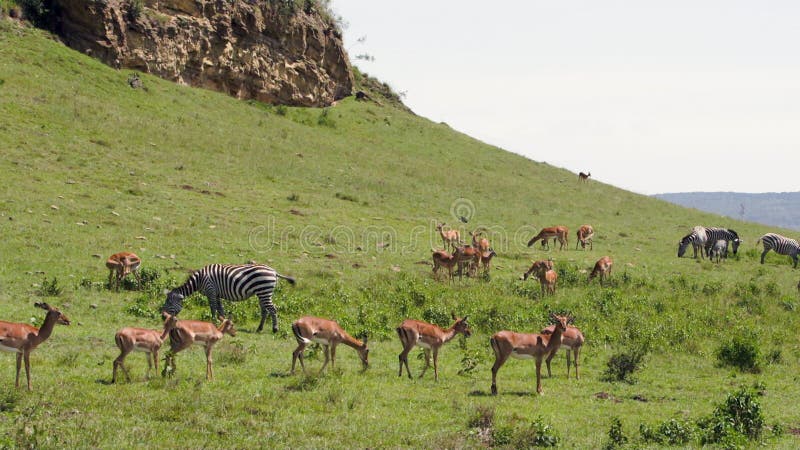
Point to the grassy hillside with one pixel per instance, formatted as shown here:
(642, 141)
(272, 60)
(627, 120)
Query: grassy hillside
(345, 199)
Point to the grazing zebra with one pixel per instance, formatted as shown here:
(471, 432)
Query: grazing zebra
(781, 244)
(714, 234)
(230, 282)
(697, 238)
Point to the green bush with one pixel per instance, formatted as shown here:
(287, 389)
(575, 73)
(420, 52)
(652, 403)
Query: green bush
(736, 419)
(671, 432)
(616, 437)
(741, 352)
(622, 365)
(49, 288)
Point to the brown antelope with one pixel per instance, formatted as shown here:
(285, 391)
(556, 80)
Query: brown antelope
(603, 268)
(478, 242)
(145, 340)
(22, 339)
(188, 332)
(469, 256)
(450, 238)
(527, 346)
(328, 333)
(486, 260)
(443, 259)
(585, 234)
(584, 176)
(431, 338)
(121, 264)
(571, 340)
(559, 233)
(548, 277)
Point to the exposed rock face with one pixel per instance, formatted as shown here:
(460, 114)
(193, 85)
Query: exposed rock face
(257, 49)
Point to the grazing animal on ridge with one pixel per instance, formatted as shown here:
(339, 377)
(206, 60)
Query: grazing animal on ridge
(230, 282)
(328, 333)
(22, 339)
(450, 238)
(145, 340)
(188, 332)
(719, 250)
(571, 341)
(603, 268)
(121, 264)
(585, 234)
(697, 238)
(558, 232)
(781, 244)
(584, 176)
(507, 344)
(431, 338)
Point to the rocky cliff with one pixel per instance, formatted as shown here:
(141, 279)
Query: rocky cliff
(270, 50)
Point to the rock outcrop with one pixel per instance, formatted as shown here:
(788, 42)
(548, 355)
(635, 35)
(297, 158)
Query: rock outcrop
(269, 50)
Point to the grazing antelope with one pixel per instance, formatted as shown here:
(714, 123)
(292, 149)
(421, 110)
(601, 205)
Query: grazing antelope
(430, 337)
(584, 176)
(571, 340)
(478, 242)
(585, 234)
(556, 233)
(527, 346)
(486, 260)
(145, 340)
(188, 332)
(450, 238)
(328, 333)
(548, 277)
(121, 264)
(469, 256)
(537, 266)
(603, 268)
(443, 259)
(22, 339)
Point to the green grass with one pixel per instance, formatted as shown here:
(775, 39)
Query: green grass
(345, 200)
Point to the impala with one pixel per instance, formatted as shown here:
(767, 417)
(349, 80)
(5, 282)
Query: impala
(328, 333)
(556, 233)
(486, 260)
(22, 339)
(585, 234)
(527, 346)
(584, 176)
(145, 340)
(603, 268)
(451, 238)
(431, 338)
(443, 259)
(478, 242)
(571, 340)
(469, 256)
(543, 269)
(121, 264)
(188, 332)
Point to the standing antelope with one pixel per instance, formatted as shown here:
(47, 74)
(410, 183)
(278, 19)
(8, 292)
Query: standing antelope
(585, 234)
(188, 332)
(584, 176)
(430, 337)
(543, 269)
(571, 340)
(145, 340)
(328, 333)
(121, 264)
(556, 233)
(603, 268)
(527, 346)
(443, 259)
(478, 242)
(22, 339)
(450, 238)
(467, 256)
(486, 260)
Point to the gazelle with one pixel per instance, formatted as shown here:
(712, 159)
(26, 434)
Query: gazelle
(543, 269)
(584, 176)
(571, 340)
(486, 260)
(328, 333)
(121, 264)
(451, 238)
(188, 332)
(527, 346)
(431, 338)
(478, 242)
(469, 256)
(559, 233)
(585, 234)
(145, 340)
(603, 268)
(22, 339)
(443, 259)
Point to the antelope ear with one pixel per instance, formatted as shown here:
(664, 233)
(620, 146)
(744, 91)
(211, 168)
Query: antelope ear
(42, 305)
(453, 315)
(464, 319)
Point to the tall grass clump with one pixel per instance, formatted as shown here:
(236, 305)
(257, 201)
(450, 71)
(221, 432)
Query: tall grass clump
(740, 351)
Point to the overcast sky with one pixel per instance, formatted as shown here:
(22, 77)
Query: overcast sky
(650, 96)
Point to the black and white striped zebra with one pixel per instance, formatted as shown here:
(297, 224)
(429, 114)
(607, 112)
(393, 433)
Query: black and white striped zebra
(230, 282)
(781, 244)
(697, 238)
(715, 234)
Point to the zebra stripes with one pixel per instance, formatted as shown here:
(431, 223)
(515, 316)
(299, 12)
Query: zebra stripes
(230, 282)
(781, 244)
(715, 234)
(697, 238)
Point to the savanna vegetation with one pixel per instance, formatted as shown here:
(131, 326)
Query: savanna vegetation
(346, 199)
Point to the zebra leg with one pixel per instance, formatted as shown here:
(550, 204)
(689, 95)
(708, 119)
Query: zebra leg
(763, 254)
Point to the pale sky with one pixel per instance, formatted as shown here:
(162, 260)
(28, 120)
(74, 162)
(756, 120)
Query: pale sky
(650, 96)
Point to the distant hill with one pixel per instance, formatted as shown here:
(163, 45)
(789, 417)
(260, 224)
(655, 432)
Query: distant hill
(772, 208)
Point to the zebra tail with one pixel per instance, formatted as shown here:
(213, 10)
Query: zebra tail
(758, 242)
(289, 279)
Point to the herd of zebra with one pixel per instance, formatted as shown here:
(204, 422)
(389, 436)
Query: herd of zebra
(714, 242)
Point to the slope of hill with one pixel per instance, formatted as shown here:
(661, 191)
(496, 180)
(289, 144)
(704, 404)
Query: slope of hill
(781, 209)
(345, 199)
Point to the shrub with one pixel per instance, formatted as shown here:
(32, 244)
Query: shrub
(281, 110)
(49, 288)
(738, 418)
(621, 366)
(537, 434)
(325, 119)
(671, 432)
(616, 437)
(741, 352)
(135, 9)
